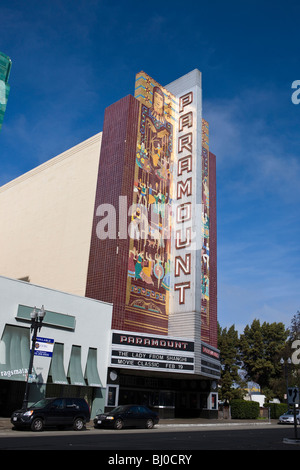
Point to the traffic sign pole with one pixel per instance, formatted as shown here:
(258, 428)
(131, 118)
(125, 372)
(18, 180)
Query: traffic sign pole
(293, 399)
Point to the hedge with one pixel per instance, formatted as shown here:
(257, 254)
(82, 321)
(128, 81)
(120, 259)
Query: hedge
(242, 409)
(276, 409)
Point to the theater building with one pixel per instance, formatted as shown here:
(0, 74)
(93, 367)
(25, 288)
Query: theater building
(128, 218)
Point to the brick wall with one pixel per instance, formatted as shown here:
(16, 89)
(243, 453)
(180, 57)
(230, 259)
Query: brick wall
(108, 262)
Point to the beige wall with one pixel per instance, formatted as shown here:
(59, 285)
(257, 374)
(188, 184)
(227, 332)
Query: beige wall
(46, 220)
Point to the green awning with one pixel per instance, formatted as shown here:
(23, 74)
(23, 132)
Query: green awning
(14, 353)
(75, 372)
(91, 370)
(57, 371)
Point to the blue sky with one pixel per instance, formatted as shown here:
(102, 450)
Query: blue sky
(72, 59)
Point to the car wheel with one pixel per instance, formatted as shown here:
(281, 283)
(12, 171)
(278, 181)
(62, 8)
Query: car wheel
(37, 425)
(119, 424)
(78, 424)
(149, 424)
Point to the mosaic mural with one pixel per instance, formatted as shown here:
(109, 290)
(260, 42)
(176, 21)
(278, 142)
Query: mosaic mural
(148, 280)
(205, 232)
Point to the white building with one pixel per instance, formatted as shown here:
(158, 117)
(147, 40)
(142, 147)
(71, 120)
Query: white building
(79, 328)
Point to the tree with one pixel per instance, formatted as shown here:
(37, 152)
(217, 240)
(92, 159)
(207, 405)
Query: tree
(294, 331)
(292, 350)
(261, 347)
(231, 382)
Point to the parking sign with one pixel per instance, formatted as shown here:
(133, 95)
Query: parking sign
(44, 347)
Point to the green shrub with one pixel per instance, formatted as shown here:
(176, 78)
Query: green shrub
(276, 409)
(242, 409)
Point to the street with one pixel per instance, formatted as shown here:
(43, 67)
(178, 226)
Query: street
(158, 441)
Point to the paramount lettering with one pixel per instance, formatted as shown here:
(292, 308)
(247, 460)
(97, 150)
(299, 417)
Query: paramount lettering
(184, 189)
(159, 343)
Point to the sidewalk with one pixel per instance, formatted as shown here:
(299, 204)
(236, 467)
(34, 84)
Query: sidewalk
(213, 422)
(5, 423)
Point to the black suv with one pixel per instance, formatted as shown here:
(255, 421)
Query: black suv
(48, 412)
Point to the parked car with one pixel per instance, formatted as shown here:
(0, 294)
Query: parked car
(127, 416)
(288, 417)
(58, 412)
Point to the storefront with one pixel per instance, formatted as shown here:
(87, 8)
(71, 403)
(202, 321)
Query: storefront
(71, 352)
(159, 372)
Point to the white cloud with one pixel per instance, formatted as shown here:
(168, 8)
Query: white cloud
(248, 143)
(258, 209)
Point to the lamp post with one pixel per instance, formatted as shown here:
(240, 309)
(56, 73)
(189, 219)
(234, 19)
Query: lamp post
(36, 316)
(286, 372)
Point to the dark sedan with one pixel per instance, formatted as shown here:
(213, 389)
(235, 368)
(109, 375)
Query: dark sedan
(127, 416)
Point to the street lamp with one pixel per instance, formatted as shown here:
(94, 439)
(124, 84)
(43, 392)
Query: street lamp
(286, 372)
(36, 316)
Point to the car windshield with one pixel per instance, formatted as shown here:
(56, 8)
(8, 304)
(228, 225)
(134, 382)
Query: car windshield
(119, 409)
(42, 403)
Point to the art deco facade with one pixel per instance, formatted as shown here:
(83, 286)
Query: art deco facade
(128, 217)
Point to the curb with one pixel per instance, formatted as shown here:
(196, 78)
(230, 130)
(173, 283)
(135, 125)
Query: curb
(294, 440)
(188, 425)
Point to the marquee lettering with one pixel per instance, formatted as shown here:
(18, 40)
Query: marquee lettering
(151, 342)
(186, 121)
(181, 286)
(185, 142)
(185, 164)
(183, 212)
(184, 189)
(185, 100)
(181, 243)
(184, 265)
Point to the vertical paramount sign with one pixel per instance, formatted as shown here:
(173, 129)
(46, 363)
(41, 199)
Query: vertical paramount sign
(187, 239)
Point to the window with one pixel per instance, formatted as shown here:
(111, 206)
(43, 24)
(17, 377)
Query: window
(112, 395)
(58, 404)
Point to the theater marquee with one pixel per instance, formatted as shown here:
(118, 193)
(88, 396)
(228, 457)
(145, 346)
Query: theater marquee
(144, 352)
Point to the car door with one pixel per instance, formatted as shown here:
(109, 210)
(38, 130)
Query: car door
(142, 415)
(137, 416)
(131, 416)
(55, 414)
(72, 410)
